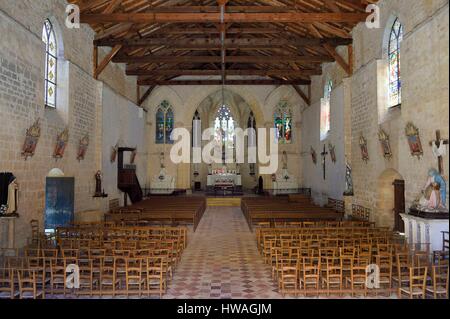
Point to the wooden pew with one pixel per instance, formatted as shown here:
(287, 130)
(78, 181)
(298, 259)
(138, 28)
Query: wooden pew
(170, 210)
(294, 208)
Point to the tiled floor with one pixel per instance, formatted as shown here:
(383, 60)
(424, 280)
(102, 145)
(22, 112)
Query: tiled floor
(222, 261)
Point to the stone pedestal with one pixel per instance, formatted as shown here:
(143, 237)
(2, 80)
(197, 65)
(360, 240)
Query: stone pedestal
(424, 230)
(7, 232)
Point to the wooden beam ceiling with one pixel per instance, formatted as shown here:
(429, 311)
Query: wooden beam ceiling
(227, 82)
(300, 17)
(280, 42)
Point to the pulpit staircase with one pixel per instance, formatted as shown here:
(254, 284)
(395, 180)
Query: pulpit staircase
(128, 181)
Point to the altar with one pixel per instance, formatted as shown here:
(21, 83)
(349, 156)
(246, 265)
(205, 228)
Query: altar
(162, 184)
(217, 179)
(285, 183)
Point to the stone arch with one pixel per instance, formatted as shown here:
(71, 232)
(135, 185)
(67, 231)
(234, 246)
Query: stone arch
(55, 172)
(387, 33)
(384, 216)
(59, 34)
(201, 93)
(164, 93)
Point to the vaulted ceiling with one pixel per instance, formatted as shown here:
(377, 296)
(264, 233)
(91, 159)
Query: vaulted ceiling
(211, 42)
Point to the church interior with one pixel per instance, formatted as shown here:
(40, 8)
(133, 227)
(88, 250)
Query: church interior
(224, 149)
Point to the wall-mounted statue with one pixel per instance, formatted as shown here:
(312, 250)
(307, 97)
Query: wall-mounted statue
(348, 180)
(61, 143)
(82, 147)
(434, 193)
(31, 140)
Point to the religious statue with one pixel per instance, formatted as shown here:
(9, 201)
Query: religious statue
(348, 180)
(98, 184)
(434, 193)
(114, 150)
(161, 160)
(61, 144)
(31, 140)
(284, 158)
(82, 147)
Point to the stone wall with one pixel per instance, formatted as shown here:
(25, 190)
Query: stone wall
(425, 103)
(79, 106)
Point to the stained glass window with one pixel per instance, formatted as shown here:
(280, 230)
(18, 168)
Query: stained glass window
(51, 59)
(164, 123)
(325, 120)
(283, 123)
(395, 84)
(224, 128)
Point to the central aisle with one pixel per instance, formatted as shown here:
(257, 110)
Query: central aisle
(222, 261)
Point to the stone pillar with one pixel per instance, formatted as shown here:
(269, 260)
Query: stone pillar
(8, 228)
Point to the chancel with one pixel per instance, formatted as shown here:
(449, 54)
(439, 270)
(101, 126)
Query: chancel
(224, 149)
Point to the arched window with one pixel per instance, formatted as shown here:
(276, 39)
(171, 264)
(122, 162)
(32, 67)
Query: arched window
(283, 123)
(51, 59)
(224, 128)
(164, 123)
(325, 120)
(395, 84)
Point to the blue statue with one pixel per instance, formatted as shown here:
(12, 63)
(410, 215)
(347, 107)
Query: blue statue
(435, 191)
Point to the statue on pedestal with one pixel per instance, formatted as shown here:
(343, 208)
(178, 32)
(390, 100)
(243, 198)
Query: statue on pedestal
(348, 180)
(433, 194)
(98, 185)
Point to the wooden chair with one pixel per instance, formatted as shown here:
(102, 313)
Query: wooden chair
(38, 265)
(384, 262)
(108, 279)
(155, 279)
(439, 282)
(87, 280)
(333, 278)
(310, 281)
(403, 263)
(417, 283)
(27, 284)
(58, 275)
(134, 276)
(289, 280)
(7, 284)
(358, 276)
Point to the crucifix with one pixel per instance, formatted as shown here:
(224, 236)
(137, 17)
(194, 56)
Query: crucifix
(439, 150)
(324, 160)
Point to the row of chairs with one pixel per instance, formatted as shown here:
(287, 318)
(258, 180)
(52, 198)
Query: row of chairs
(305, 262)
(110, 276)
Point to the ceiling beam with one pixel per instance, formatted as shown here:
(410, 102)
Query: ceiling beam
(297, 17)
(146, 95)
(228, 82)
(203, 31)
(229, 43)
(108, 58)
(218, 59)
(242, 72)
(302, 95)
(339, 60)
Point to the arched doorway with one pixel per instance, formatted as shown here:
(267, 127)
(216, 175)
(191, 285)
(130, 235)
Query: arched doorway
(390, 200)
